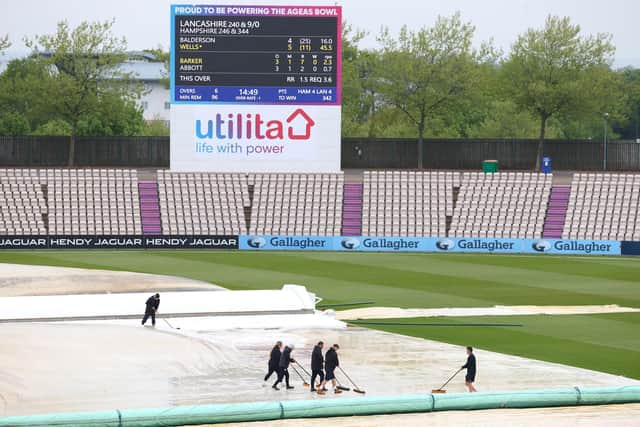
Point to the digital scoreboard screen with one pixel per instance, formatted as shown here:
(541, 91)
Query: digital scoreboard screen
(256, 54)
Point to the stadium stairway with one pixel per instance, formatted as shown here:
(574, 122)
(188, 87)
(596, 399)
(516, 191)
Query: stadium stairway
(149, 207)
(352, 209)
(556, 212)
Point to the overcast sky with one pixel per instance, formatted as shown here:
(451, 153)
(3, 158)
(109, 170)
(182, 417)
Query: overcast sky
(145, 23)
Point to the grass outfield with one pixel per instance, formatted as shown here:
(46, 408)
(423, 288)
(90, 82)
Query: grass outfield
(603, 342)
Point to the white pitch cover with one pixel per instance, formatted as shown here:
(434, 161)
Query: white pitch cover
(255, 138)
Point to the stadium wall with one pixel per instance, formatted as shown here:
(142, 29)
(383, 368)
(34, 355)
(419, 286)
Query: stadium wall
(357, 153)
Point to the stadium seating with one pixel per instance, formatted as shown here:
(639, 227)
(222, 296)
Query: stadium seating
(23, 208)
(203, 203)
(407, 203)
(92, 201)
(507, 205)
(394, 203)
(603, 206)
(297, 204)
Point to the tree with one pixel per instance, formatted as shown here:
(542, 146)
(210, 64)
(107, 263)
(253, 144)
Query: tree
(29, 77)
(630, 128)
(12, 123)
(53, 127)
(504, 120)
(555, 72)
(4, 43)
(163, 56)
(358, 85)
(429, 72)
(112, 116)
(86, 61)
(155, 127)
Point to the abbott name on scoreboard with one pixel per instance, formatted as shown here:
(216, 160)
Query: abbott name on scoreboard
(255, 138)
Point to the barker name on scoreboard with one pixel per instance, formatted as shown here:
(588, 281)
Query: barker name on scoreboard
(256, 55)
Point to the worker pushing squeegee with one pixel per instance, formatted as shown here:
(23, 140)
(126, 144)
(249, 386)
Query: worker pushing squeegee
(469, 379)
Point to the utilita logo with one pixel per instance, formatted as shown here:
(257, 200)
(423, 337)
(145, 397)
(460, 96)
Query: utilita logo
(297, 127)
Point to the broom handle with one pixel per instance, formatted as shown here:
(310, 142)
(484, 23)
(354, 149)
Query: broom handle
(452, 376)
(350, 380)
(303, 369)
(296, 371)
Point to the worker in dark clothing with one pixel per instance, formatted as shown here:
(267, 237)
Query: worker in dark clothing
(470, 366)
(330, 365)
(152, 308)
(317, 363)
(283, 367)
(274, 360)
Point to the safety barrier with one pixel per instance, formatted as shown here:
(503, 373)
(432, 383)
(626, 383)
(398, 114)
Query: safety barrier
(263, 411)
(328, 243)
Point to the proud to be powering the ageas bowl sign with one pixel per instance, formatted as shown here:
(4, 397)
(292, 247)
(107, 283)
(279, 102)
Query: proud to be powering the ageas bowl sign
(255, 88)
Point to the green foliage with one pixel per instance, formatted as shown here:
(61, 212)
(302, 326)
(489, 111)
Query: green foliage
(28, 77)
(555, 82)
(155, 127)
(32, 77)
(162, 56)
(432, 71)
(554, 72)
(4, 43)
(112, 116)
(53, 128)
(504, 120)
(12, 123)
(86, 74)
(630, 127)
(358, 92)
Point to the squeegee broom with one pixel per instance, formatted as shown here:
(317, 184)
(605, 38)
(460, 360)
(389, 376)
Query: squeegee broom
(170, 325)
(355, 387)
(441, 389)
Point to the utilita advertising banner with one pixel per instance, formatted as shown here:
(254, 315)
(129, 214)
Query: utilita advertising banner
(255, 138)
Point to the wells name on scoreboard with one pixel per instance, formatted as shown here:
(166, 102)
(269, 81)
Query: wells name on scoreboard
(255, 88)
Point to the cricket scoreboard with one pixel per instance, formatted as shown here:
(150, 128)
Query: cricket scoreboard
(255, 88)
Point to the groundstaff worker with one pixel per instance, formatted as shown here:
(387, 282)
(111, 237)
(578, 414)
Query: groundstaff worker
(330, 365)
(152, 308)
(283, 367)
(274, 360)
(470, 366)
(317, 362)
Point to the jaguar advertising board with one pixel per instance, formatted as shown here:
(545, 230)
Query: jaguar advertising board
(119, 242)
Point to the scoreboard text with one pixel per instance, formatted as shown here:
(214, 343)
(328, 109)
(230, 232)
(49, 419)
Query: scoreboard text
(256, 55)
